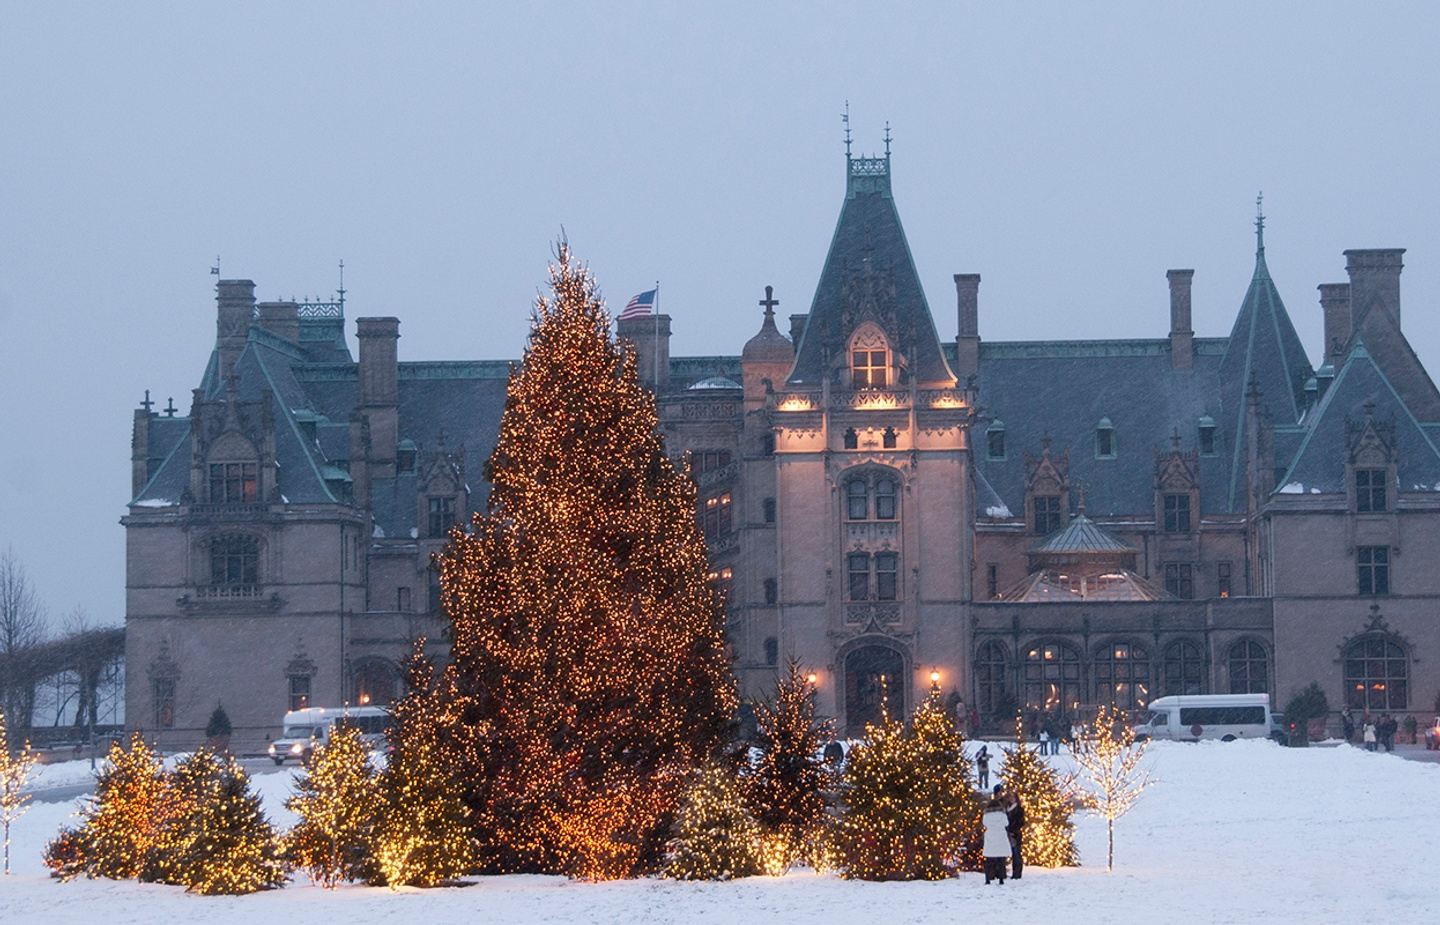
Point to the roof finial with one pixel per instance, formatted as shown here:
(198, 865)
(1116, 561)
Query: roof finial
(1080, 505)
(887, 138)
(769, 303)
(341, 291)
(1260, 222)
(846, 120)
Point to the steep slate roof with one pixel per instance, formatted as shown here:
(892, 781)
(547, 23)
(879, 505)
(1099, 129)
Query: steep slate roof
(1391, 348)
(869, 246)
(1264, 348)
(1061, 389)
(1319, 464)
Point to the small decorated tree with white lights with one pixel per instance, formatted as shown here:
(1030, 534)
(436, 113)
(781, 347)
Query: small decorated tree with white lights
(786, 789)
(338, 801)
(1049, 837)
(715, 836)
(219, 841)
(122, 824)
(909, 810)
(14, 772)
(1112, 770)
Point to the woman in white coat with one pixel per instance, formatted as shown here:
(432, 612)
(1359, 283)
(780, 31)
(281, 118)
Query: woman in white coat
(997, 843)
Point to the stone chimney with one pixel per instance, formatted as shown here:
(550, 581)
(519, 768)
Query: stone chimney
(967, 344)
(797, 327)
(1182, 335)
(1374, 282)
(281, 319)
(1339, 325)
(235, 310)
(651, 337)
(380, 390)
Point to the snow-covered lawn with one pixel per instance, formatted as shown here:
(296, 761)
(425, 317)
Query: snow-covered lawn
(1237, 832)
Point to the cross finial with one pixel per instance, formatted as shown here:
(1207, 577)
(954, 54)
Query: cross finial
(147, 404)
(769, 303)
(846, 120)
(1260, 220)
(341, 291)
(170, 407)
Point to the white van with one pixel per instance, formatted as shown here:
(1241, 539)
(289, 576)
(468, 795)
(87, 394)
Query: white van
(1192, 717)
(304, 730)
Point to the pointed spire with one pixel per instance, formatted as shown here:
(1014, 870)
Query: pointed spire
(1261, 270)
(846, 120)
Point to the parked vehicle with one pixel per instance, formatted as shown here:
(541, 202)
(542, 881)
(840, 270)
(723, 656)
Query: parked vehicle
(305, 730)
(1227, 717)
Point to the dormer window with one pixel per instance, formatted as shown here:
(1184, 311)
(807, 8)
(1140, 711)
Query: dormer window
(405, 455)
(869, 359)
(995, 440)
(1207, 436)
(232, 483)
(1105, 439)
(1370, 494)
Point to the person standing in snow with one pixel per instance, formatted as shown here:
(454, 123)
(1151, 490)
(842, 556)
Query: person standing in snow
(997, 842)
(1369, 736)
(1347, 725)
(1045, 741)
(1015, 829)
(982, 767)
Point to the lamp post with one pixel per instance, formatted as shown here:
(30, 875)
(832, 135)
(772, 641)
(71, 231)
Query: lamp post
(935, 680)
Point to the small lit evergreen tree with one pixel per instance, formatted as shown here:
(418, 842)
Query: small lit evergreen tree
(585, 625)
(786, 789)
(219, 840)
(424, 836)
(909, 811)
(715, 836)
(124, 822)
(1112, 768)
(1049, 838)
(15, 769)
(337, 798)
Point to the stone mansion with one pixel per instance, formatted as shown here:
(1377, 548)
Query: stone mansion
(1038, 524)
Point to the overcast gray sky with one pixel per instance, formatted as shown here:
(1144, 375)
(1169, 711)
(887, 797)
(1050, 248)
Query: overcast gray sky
(1068, 153)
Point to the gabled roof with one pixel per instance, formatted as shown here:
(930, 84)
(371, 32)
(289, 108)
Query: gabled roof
(869, 266)
(1389, 347)
(1264, 349)
(1361, 388)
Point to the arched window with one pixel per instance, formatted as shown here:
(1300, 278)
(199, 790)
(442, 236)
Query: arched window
(1184, 668)
(1249, 668)
(852, 439)
(885, 491)
(234, 560)
(1052, 677)
(874, 676)
(992, 673)
(857, 500)
(1377, 674)
(1122, 675)
(772, 650)
(375, 683)
(1105, 439)
(995, 440)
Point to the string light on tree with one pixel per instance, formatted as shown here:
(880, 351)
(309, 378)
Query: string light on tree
(123, 825)
(716, 838)
(1112, 769)
(582, 619)
(1046, 795)
(337, 798)
(15, 769)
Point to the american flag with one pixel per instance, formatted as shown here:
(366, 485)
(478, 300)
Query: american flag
(639, 307)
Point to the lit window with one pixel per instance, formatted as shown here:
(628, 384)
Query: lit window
(1377, 674)
(232, 483)
(1374, 568)
(1122, 676)
(299, 691)
(870, 368)
(162, 692)
(1052, 678)
(717, 518)
(1370, 491)
(1222, 579)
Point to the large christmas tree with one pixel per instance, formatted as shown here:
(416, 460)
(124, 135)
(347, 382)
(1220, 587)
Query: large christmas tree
(909, 813)
(122, 824)
(584, 626)
(218, 840)
(786, 788)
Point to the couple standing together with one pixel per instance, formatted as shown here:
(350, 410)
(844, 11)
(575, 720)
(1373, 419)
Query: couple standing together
(1004, 824)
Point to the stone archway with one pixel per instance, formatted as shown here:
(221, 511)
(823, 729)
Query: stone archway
(875, 675)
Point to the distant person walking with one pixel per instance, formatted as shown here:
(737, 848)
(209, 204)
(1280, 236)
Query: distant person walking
(1388, 728)
(982, 766)
(1347, 725)
(1015, 829)
(1369, 736)
(997, 840)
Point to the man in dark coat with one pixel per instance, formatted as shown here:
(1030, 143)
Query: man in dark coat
(1015, 828)
(982, 767)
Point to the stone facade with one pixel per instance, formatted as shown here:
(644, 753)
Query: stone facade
(1042, 525)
